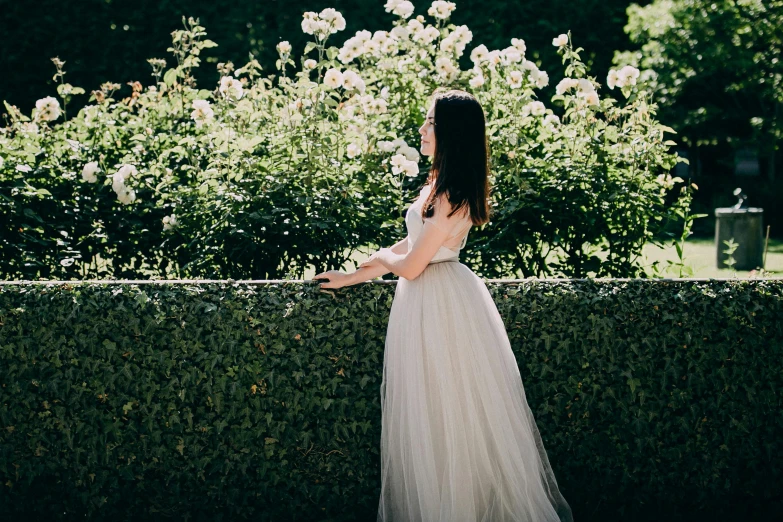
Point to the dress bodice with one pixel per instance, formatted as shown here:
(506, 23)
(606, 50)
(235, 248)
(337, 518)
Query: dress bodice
(414, 223)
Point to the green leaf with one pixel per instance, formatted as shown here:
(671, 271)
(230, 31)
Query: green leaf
(170, 78)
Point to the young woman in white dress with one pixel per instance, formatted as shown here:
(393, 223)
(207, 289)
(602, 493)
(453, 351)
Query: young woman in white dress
(458, 439)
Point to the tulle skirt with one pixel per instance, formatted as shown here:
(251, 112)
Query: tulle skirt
(458, 439)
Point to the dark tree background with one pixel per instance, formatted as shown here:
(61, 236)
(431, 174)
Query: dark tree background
(110, 40)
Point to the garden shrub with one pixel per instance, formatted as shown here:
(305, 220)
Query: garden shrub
(262, 176)
(231, 400)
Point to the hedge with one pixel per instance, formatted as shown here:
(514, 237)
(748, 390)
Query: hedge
(237, 400)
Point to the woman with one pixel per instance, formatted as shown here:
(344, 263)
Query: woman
(458, 439)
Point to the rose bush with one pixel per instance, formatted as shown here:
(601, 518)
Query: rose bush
(263, 175)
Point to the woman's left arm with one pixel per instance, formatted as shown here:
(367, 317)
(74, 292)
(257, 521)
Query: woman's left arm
(412, 264)
(434, 233)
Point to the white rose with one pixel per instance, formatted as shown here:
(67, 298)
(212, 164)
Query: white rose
(530, 66)
(391, 4)
(560, 41)
(511, 55)
(494, 58)
(366, 101)
(352, 150)
(565, 85)
(386, 146)
(666, 180)
(612, 79)
(477, 81)
(230, 87)
(127, 171)
(447, 45)
(379, 106)
(333, 78)
(309, 22)
(117, 182)
(363, 36)
(346, 56)
(463, 35)
(202, 112)
(411, 168)
(350, 80)
(338, 23)
(519, 45)
(415, 27)
(284, 48)
(535, 108)
(628, 75)
(385, 93)
(121, 176)
(444, 66)
(540, 78)
(328, 14)
(309, 64)
(126, 196)
(398, 162)
(323, 28)
(585, 86)
(389, 46)
(514, 79)
(380, 36)
(169, 222)
(410, 153)
(400, 32)
(404, 9)
(89, 171)
(479, 54)
(591, 98)
(371, 47)
(428, 35)
(440, 9)
(48, 109)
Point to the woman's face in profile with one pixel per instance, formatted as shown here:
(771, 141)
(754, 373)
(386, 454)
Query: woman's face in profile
(427, 132)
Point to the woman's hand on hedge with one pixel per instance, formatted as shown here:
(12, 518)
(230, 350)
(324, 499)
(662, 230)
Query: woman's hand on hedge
(335, 279)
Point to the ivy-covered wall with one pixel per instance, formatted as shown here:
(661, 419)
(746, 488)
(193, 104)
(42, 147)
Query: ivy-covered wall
(236, 400)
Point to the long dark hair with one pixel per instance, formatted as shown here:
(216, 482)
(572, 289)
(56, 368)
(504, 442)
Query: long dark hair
(460, 166)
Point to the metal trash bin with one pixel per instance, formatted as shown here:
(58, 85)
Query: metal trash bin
(743, 225)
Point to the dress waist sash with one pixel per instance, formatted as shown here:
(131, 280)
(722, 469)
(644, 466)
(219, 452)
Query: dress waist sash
(451, 259)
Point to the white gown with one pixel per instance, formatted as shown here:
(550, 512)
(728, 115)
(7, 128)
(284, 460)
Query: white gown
(458, 439)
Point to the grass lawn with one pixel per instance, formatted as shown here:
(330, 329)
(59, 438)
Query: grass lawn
(699, 254)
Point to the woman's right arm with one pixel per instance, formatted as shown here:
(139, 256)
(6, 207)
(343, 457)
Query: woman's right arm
(365, 274)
